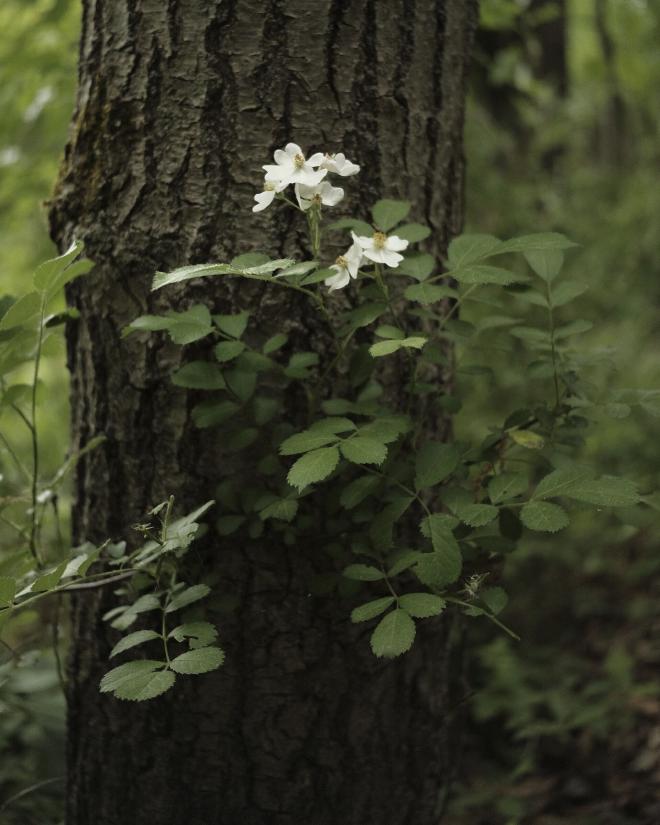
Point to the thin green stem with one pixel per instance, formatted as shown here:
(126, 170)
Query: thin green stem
(14, 456)
(163, 630)
(34, 526)
(486, 613)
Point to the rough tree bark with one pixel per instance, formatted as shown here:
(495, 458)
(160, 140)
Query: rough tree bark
(178, 105)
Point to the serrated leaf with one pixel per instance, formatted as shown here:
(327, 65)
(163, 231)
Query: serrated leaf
(394, 635)
(48, 274)
(559, 482)
(417, 266)
(198, 660)
(482, 274)
(199, 375)
(544, 516)
(333, 424)
(242, 383)
(388, 213)
(313, 466)
(363, 450)
(185, 273)
(198, 634)
(363, 573)
(188, 596)
(546, 263)
(434, 462)
(306, 441)
(413, 232)
(233, 325)
(536, 242)
(133, 640)
(507, 486)
(477, 515)
(248, 259)
(422, 605)
(567, 292)
(467, 249)
(404, 562)
(605, 492)
(360, 227)
(371, 609)
(182, 327)
(123, 675)
(284, 509)
(425, 293)
(442, 566)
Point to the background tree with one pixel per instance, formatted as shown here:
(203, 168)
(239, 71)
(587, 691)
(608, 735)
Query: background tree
(176, 110)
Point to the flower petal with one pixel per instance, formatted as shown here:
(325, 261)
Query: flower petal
(263, 200)
(395, 244)
(316, 159)
(391, 259)
(292, 149)
(282, 158)
(330, 195)
(338, 281)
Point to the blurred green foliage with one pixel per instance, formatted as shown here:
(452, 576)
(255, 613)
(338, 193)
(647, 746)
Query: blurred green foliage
(563, 726)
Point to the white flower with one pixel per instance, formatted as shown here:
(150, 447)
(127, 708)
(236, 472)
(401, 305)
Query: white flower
(265, 198)
(346, 266)
(382, 249)
(339, 164)
(291, 166)
(324, 194)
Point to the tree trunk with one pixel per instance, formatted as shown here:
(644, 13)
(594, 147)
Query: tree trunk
(179, 103)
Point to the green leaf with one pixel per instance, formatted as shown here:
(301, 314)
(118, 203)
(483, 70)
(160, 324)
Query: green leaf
(363, 573)
(414, 342)
(183, 327)
(26, 308)
(466, 249)
(528, 439)
(422, 605)
(198, 634)
(358, 490)
(366, 314)
(306, 441)
(211, 413)
(388, 331)
(333, 424)
(442, 566)
(47, 581)
(388, 213)
(576, 327)
(274, 343)
(382, 348)
(249, 259)
(359, 227)
(49, 273)
(560, 482)
(507, 486)
(394, 635)
(146, 686)
(283, 509)
(426, 293)
(371, 609)
(546, 263)
(133, 640)
(228, 350)
(566, 292)
(417, 266)
(185, 273)
(269, 267)
(362, 450)
(7, 590)
(539, 242)
(226, 525)
(313, 466)
(199, 375)
(434, 462)
(413, 232)
(198, 660)
(233, 325)
(129, 672)
(188, 596)
(242, 383)
(482, 274)
(544, 516)
(605, 492)
(477, 515)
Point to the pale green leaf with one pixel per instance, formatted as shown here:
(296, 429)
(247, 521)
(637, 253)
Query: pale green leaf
(382, 348)
(477, 515)
(371, 609)
(482, 274)
(188, 596)
(198, 634)
(313, 466)
(425, 293)
(233, 325)
(394, 635)
(363, 573)
(537, 242)
(133, 640)
(528, 439)
(546, 263)
(466, 249)
(25, 309)
(422, 605)
(146, 686)
(544, 516)
(228, 350)
(417, 266)
(362, 450)
(507, 486)
(413, 232)
(123, 675)
(7, 590)
(306, 441)
(198, 660)
(388, 213)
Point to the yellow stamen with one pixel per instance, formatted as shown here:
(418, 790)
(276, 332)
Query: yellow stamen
(341, 261)
(269, 186)
(299, 161)
(379, 239)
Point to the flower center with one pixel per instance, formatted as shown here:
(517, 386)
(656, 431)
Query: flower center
(379, 239)
(317, 198)
(341, 261)
(299, 161)
(269, 186)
